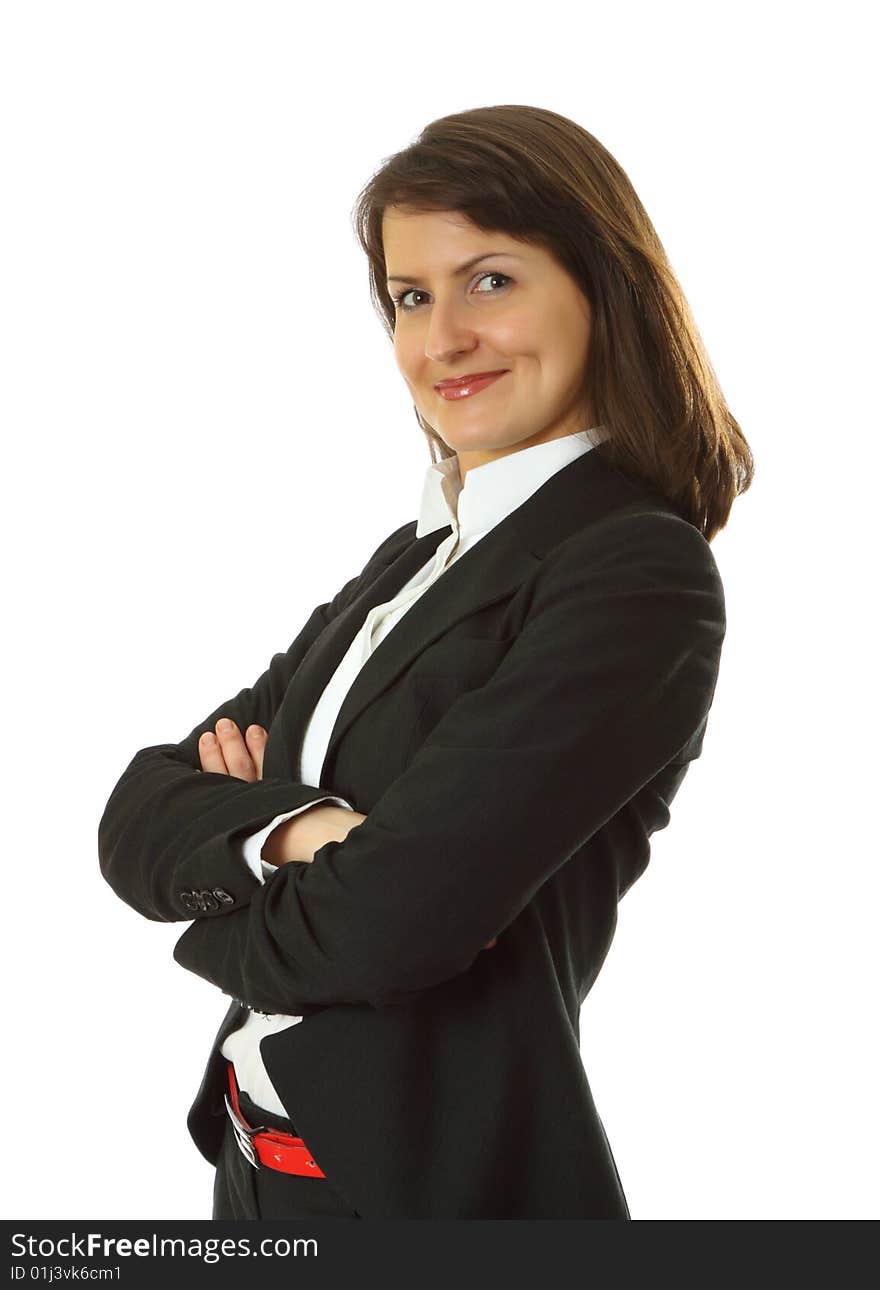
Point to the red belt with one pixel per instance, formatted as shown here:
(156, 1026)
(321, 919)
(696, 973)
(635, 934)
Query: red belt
(270, 1147)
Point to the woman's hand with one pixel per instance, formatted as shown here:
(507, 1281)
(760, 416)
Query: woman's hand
(227, 753)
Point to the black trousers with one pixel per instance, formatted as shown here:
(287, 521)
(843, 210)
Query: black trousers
(241, 1191)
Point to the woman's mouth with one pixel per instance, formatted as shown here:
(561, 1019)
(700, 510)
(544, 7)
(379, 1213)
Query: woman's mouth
(468, 387)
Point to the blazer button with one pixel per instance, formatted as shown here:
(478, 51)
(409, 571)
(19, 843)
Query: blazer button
(206, 899)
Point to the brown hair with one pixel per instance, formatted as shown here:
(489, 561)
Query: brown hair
(535, 175)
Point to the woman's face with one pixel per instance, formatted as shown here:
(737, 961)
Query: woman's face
(534, 322)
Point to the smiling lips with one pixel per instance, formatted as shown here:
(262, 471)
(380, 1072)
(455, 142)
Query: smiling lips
(463, 387)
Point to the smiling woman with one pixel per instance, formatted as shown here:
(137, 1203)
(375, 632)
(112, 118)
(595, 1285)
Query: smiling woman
(514, 240)
(504, 702)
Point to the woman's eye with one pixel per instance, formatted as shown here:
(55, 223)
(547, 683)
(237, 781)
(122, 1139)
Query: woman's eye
(414, 291)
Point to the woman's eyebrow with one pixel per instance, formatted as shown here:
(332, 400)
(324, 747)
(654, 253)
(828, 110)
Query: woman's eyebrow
(462, 268)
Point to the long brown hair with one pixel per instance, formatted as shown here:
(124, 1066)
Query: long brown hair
(536, 175)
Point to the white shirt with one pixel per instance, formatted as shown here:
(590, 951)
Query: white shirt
(489, 493)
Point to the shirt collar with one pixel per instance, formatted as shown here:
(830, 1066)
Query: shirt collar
(491, 491)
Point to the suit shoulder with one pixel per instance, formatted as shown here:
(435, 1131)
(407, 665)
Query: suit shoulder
(642, 540)
(644, 527)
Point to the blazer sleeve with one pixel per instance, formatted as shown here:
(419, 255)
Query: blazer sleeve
(170, 836)
(611, 675)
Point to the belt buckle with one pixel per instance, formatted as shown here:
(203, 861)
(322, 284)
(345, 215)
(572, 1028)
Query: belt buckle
(244, 1136)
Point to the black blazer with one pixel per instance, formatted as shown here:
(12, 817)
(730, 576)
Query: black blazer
(514, 741)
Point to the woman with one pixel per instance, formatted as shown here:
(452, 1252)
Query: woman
(448, 788)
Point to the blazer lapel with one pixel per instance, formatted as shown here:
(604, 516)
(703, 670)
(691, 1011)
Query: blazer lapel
(326, 652)
(579, 493)
(490, 571)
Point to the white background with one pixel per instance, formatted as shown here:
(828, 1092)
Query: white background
(204, 431)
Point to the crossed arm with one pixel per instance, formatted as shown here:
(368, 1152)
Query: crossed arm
(607, 682)
(225, 752)
(605, 686)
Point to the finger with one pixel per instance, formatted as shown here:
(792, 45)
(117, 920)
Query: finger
(255, 737)
(235, 753)
(211, 754)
